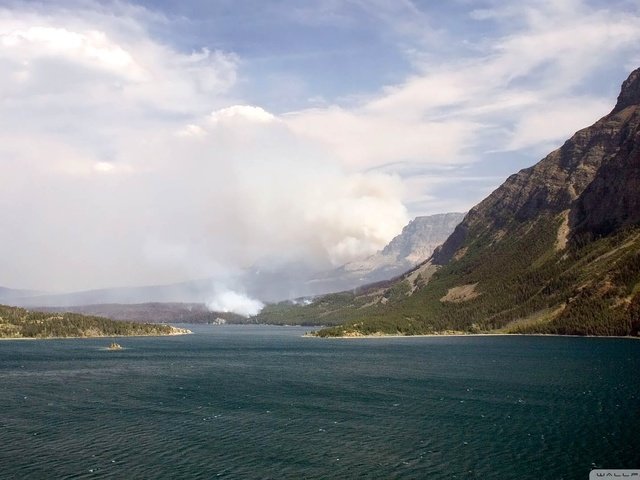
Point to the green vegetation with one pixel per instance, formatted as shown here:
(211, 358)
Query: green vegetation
(524, 285)
(152, 312)
(332, 309)
(20, 323)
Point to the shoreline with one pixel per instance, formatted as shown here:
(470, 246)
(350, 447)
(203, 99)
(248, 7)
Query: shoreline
(183, 331)
(441, 335)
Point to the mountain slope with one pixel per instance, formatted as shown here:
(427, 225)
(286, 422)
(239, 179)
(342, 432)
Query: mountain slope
(555, 249)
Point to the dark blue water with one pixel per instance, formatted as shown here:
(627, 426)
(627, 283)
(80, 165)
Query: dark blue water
(262, 402)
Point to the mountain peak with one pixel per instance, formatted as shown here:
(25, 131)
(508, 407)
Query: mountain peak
(593, 176)
(418, 239)
(630, 92)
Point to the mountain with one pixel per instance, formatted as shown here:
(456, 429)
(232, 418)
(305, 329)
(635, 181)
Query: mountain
(412, 246)
(555, 249)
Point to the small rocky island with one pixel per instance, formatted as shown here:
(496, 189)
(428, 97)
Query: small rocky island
(20, 323)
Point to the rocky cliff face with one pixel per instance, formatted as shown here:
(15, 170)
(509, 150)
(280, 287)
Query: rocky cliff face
(612, 199)
(629, 93)
(420, 238)
(594, 178)
(413, 245)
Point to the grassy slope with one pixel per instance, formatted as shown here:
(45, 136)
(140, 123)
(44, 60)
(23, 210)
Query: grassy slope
(525, 285)
(20, 323)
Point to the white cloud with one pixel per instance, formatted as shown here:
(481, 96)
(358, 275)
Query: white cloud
(455, 110)
(542, 125)
(365, 140)
(243, 113)
(107, 59)
(259, 191)
(91, 47)
(119, 173)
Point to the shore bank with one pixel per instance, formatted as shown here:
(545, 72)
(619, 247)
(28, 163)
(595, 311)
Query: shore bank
(175, 332)
(435, 335)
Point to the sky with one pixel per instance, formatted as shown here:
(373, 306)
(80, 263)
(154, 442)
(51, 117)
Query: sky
(150, 142)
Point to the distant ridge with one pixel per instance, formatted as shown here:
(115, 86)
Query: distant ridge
(194, 291)
(415, 244)
(9, 293)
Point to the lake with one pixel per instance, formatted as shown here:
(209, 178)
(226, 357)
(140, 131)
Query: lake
(263, 402)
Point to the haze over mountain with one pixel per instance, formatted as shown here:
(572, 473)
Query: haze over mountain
(8, 294)
(555, 249)
(413, 245)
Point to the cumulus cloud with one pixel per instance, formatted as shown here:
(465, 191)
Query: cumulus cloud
(125, 162)
(246, 187)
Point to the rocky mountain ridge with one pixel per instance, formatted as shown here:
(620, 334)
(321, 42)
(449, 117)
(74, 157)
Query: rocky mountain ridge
(415, 244)
(580, 180)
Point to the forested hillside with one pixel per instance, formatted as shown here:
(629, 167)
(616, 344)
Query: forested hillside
(20, 323)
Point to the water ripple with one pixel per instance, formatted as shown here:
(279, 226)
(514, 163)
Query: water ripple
(265, 403)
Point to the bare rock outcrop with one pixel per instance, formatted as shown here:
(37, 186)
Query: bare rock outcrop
(595, 175)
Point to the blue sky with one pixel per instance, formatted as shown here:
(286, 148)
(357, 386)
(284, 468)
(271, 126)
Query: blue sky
(172, 140)
(300, 55)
